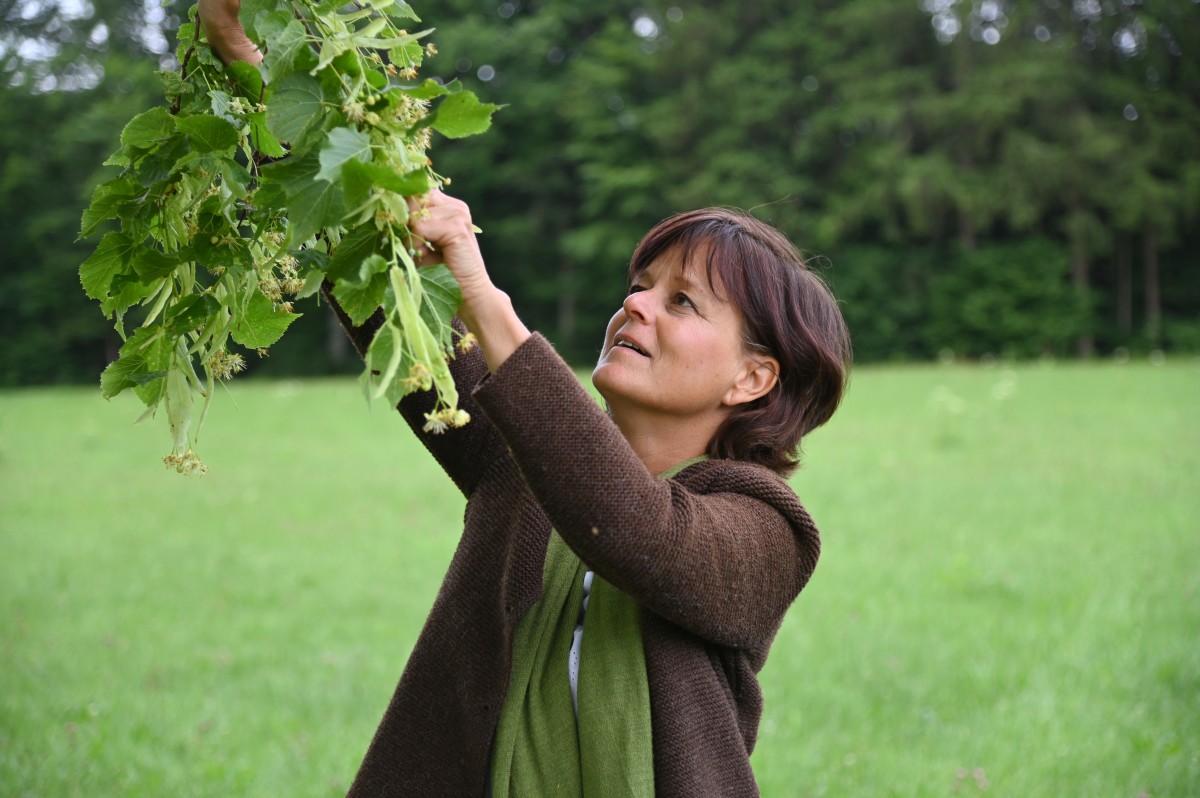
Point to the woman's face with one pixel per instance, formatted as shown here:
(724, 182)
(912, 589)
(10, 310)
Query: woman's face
(673, 347)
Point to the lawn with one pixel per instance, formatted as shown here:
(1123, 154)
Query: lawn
(1008, 599)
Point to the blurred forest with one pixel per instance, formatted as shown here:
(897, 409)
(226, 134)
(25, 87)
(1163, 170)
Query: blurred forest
(976, 178)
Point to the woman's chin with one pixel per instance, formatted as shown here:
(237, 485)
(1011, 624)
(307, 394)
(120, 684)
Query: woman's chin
(602, 379)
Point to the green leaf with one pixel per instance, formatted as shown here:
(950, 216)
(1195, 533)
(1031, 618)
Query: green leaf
(219, 102)
(379, 358)
(312, 203)
(443, 297)
(349, 63)
(110, 259)
(150, 264)
(357, 245)
(377, 79)
(107, 202)
(233, 175)
(140, 361)
(148, 129)
(262, 323)
(288, 52)
(319, 205)
(360, 300)
(246, 79)
(157, 164)
(462, 115)
(428, 90)
(261, 18)
(261, 137)
(344, 144)
(359, 178)
(125, 292)
(190, 312)
(125, 372)
(208, 133)
(403, 9)
(297, 104)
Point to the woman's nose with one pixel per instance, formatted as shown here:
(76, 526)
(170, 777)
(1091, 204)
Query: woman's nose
(639, 305)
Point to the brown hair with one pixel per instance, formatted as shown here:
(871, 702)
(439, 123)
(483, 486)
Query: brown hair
(787, 312)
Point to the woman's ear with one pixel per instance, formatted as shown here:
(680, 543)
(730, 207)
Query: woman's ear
(759, 376)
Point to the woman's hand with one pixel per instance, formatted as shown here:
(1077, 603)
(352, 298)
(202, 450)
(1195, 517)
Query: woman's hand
(442, 225)
(219, 18)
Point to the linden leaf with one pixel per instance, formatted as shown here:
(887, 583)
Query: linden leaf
(287, 52)
(261, 137)
(386, 367)
(110, 259)
(443, 297)
(125, 372)
(190, 313)
(140, 362)
(297, 104)
(462, 115)
(208, 133)
(428, 90)
(312, 203)
(344, 144)
(148, 129)
(359, 178)
(107, 202)
(262, 323)
(361, 300)
(355, 246)
(150, 264)
(247, 80)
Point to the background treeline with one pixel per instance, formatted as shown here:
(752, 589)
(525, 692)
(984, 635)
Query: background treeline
(981, 177)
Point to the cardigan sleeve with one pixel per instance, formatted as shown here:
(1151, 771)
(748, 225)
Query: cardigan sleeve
(464, 452)
(722, 550)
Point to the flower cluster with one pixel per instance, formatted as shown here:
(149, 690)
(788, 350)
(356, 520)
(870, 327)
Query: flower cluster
(223, 365)
(186, 463)
(438, 422)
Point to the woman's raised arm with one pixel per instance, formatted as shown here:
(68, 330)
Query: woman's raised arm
(219, 18)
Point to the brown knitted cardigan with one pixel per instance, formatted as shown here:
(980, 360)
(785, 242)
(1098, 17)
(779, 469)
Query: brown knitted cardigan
(714, 557)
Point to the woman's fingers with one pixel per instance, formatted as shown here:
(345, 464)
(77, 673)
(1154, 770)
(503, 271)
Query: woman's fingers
(445, 234)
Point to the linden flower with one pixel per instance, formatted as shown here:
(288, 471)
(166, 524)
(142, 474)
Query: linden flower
(434, 424)
(223, 365)
(419, 376)
(270, 287)
(186, 463)
(467, 343)
(408, 73)
(460, 418)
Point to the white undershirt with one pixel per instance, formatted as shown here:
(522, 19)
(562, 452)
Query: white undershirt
(577, 642)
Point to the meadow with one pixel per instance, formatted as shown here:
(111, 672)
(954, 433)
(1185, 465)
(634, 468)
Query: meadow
(1008, 601)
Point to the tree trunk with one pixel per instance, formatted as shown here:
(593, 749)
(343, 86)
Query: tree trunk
(337, 346)
(1086, 344)
(1125, 284)
(566, 303)
(1153, 287)
(966, 171)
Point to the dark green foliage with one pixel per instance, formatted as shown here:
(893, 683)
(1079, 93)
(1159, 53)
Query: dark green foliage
(916, 167)
(1010, 299)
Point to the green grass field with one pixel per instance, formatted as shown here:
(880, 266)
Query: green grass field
(1008, 600)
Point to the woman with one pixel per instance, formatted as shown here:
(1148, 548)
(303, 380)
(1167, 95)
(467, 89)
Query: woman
(621, 574)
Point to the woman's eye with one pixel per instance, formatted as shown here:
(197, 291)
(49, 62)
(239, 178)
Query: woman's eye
(684, 300)
(633, 289)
